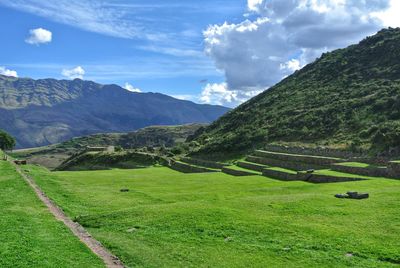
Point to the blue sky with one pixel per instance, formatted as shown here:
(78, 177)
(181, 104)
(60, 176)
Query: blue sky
(171, 62)
(209, 51)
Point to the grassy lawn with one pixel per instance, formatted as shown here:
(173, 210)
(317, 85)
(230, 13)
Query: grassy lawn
(30, 236)
(171, 219)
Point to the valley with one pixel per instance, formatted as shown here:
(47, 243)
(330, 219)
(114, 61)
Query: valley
(303, 173)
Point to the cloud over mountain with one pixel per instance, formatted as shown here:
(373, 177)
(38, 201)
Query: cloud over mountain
(278, 37)
(131, 88)
(7, 72)
(77, 72)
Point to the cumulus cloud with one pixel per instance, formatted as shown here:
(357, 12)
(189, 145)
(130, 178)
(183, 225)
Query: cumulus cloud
(292, 65)
(131, 88)
(279, 37)
(39, 36)
(390, 16)
(218, 93)
(254, 5)
(7, 72)
(77, 72)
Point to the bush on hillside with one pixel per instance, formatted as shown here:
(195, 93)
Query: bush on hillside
(7, 142)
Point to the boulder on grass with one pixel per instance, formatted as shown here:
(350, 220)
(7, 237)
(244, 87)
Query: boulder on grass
(353, 195)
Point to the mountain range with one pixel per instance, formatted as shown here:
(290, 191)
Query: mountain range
(47, 111)
(346, 99)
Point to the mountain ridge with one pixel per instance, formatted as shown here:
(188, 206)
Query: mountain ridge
(45, 111)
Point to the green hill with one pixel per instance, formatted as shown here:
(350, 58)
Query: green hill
(349, 99)
(48, 111)
(155, 136)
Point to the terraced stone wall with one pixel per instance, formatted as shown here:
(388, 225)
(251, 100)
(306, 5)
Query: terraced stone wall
(298, 166)
(235, 172)
(394, 170)
(275, 174)
(319, 151)
(315, 178)
(204, 163)
(251, 166)
(373, 172)
(186, 168)
(315, 160)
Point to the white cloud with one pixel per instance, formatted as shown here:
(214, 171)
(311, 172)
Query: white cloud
(279, 37)
(39, 36)
(220, 94)
(7, 72)
(131, 88)
(77, 72)
(390, 17)
(254, 5)
(90, 15)
(292, 65)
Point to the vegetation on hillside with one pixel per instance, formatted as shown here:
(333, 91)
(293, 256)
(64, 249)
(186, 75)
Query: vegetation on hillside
(103, 161)
(349, 98)
(7, 142)
(155, 139)
(154, 136)
(48, 111)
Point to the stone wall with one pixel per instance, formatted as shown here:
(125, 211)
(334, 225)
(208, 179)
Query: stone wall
(394, 170)
(319, 151)
(373, 172)
(315, 178)
(315, 160)
(297, 166)
(251, 166)
(280, 175)
(236, 172)
(186, 168)
(203, 163)
(312, 178)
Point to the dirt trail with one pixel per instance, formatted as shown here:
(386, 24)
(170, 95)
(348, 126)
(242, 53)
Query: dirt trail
(95, 246)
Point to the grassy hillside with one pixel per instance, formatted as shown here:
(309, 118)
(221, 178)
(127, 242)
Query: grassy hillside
(155, 136)
(171, 219)
(101, 161)
(48, 111)
(349, 98)
(30, 236)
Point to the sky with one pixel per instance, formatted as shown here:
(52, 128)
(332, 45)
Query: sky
(209, 51)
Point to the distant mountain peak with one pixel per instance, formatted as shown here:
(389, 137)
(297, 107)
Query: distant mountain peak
(44, 111)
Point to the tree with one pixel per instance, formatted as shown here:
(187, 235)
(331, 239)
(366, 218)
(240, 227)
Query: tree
(7, 142)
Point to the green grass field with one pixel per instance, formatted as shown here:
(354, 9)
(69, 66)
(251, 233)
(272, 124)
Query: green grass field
(170, 219)
(29, 235)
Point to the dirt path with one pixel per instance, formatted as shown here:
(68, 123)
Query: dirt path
(95, 246)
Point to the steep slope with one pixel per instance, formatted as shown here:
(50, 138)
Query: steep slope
(349, 98)
(41, 112)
